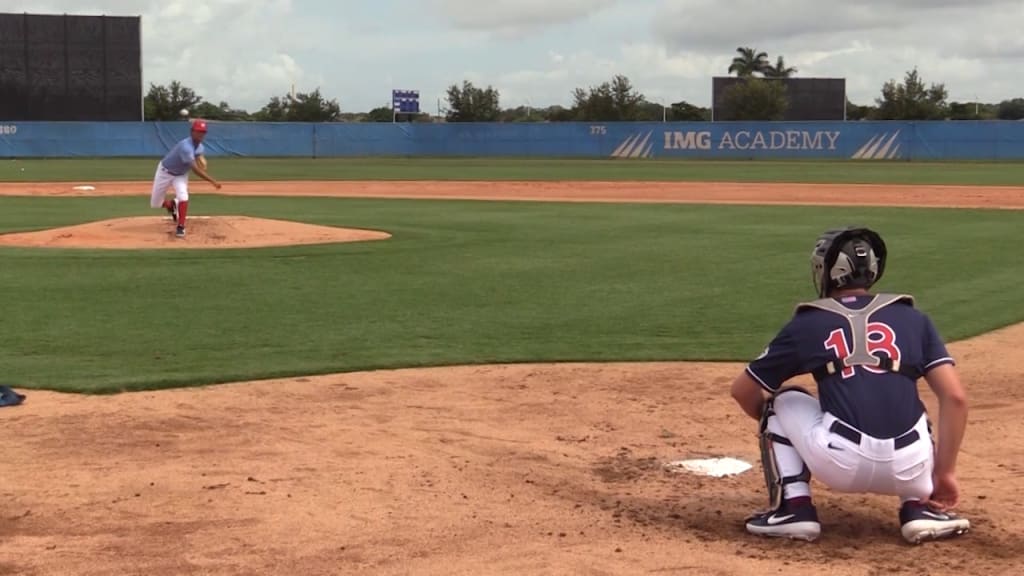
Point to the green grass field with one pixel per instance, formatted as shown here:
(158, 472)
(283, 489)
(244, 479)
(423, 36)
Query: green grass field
(869, 172)
(459, 282)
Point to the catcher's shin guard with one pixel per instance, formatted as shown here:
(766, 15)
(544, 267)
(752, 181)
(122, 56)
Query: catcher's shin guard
(773, 478)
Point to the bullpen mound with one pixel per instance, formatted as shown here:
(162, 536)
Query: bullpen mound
(203, 232)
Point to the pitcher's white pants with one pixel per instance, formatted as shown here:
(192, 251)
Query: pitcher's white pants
(869, 466)
(163, 180)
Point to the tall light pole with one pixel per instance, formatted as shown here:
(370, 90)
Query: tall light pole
(664, 109)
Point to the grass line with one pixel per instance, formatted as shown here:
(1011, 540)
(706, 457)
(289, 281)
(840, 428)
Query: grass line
(531, 169)
(461, 282)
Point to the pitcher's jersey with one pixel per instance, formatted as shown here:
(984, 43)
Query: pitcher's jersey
(182, 156)
(880, 403)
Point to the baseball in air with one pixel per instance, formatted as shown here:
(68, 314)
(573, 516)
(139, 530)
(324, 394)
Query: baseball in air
(183, 112)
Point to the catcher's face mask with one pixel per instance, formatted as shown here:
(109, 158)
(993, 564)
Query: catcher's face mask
(847, 258)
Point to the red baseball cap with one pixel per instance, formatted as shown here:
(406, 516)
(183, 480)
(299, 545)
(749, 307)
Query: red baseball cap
(199, 126)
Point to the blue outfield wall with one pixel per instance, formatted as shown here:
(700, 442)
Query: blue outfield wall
(941, 140)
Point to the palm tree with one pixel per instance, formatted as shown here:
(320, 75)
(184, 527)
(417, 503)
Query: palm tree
(779, 70)
(749, 62)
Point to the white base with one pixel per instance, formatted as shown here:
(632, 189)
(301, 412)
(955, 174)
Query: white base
(717, 467)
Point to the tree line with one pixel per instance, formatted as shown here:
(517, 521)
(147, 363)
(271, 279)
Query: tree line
(758, 96)
(167, 102)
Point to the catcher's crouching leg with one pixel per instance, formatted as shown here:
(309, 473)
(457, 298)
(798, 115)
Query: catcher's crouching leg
(791, 472)
(791, 513)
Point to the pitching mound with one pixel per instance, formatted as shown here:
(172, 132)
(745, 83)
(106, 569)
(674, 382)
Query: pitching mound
(203, 232)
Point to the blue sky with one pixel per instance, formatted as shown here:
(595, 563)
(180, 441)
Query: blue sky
(535, 52)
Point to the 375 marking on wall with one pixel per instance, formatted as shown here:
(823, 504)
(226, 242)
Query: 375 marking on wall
(8, 129)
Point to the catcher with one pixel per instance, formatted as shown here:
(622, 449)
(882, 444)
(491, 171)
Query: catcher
(173, 169)
(869, 433)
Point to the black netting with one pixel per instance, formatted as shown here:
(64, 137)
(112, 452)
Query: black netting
(57, 67)
(809, 98)
(13, 81)
(46, 67)
(123, 72)
(86, 62)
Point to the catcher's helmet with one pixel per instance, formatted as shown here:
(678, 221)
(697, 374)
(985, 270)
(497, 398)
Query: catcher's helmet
(847, 258)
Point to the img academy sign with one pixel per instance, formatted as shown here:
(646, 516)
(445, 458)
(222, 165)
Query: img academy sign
(644, 144)
(747, 140)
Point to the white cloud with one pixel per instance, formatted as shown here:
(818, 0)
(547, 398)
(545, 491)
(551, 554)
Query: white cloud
(651, 69)
(718, 24)
(513, 16)
(965, 44)
(231, 63)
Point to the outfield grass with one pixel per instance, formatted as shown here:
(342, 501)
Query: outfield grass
(461, 282)
(845, 171)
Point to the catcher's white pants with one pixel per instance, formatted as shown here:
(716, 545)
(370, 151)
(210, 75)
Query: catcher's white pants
(870, 466)
(164, 180)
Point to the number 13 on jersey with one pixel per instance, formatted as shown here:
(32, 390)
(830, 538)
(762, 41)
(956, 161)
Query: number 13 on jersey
(881, 338)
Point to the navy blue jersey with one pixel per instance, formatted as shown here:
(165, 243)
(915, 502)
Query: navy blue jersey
(882, 404)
